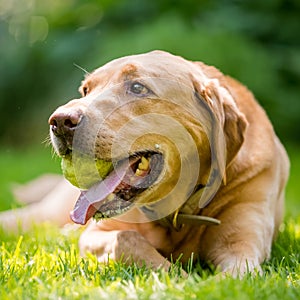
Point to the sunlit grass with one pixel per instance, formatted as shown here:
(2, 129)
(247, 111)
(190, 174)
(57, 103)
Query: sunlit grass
(45, 262)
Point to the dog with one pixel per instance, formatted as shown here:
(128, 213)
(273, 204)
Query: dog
(195, 168)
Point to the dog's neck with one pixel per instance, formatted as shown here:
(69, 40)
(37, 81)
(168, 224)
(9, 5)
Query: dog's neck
(188, 213)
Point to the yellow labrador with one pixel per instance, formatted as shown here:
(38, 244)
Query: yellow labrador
(172, 158)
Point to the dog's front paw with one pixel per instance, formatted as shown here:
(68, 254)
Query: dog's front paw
(121, 245)
(239, 268)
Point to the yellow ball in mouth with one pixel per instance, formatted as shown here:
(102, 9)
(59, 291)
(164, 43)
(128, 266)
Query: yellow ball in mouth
(83, 172)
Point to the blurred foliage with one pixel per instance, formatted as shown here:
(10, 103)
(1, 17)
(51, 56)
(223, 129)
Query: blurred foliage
(41, 42)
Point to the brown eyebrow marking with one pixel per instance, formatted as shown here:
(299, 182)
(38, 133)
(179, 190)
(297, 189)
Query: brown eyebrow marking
(129, 69)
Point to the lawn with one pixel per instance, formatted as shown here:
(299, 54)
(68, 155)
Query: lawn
(45, 264)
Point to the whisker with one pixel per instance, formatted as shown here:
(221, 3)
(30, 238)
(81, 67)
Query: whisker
(47, 143)
(82, 69)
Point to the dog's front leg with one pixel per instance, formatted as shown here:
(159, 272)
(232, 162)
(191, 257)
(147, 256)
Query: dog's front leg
(126, 245)
(53, 208)
(242, 241)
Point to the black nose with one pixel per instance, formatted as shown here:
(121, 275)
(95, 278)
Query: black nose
(64, 123)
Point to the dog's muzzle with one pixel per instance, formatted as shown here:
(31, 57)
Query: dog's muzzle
(63, 126)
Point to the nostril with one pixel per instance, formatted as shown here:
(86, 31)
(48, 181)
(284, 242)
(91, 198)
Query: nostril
(53, 122)
(69, 123)
(64, 122)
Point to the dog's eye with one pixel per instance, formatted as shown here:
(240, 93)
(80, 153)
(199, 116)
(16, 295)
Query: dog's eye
(138, 89)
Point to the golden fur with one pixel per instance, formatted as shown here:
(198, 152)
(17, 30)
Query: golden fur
(250, 160)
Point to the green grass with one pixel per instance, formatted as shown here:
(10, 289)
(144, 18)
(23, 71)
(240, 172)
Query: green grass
(45, 263)
(22, 165)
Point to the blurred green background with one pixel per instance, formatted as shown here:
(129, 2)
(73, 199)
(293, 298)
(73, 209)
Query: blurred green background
(256, 41)
(41, 42)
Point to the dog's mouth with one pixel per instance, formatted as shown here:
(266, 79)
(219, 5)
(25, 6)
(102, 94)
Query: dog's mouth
(116, 194)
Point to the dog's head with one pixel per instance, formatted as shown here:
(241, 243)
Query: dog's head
(155, 127)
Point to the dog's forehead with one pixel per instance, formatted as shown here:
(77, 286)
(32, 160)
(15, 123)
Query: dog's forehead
(152, 64)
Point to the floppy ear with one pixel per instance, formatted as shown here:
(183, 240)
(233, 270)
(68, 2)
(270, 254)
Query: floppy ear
(225, 111)
(225, 126)
(234, 128)
(212, 125)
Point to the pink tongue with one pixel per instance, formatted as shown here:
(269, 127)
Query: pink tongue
(85, 206)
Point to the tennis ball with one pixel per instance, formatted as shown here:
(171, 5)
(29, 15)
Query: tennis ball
(83, 173)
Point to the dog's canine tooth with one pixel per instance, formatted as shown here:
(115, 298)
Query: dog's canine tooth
(144, 164)
(139, 172)
(142, 167)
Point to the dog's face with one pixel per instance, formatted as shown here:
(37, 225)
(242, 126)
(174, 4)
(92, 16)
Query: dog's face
(162, 123)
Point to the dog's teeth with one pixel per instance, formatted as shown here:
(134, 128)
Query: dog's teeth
(139, 172)
(142, 167)
(144, 164)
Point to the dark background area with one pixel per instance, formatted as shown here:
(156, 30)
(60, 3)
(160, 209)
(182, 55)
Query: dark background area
(41, 42)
